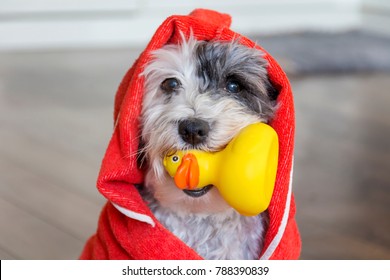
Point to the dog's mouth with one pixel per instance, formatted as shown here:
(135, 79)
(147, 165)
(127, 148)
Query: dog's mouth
(198, 192)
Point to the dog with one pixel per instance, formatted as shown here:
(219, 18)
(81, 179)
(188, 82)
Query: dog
(199, 95)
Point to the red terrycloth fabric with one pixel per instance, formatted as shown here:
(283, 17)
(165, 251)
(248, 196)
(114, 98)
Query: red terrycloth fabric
(120, 237)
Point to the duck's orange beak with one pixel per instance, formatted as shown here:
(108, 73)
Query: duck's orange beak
(187, 175)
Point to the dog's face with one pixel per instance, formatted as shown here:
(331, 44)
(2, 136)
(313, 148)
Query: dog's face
(199, 95)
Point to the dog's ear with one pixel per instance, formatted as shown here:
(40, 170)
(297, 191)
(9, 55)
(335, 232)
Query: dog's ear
(141, 155)
(272, 92)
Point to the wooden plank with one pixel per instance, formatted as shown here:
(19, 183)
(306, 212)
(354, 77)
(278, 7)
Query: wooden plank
(52, 141)
(65, 210)
(4, 255)
(62, 169)
(331, 243)
(27, 237)
(72, 132)
(341, 166)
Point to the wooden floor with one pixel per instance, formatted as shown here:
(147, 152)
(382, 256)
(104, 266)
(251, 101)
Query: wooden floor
(56, 120)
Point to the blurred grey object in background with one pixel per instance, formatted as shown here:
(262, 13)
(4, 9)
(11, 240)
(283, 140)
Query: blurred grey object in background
(327, 52)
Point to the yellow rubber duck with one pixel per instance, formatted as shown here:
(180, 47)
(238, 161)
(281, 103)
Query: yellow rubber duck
(244, 172)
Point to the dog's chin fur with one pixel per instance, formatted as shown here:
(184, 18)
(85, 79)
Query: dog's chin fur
(170, 197)
(203, 69)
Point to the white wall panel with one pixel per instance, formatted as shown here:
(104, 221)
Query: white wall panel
(38, 24)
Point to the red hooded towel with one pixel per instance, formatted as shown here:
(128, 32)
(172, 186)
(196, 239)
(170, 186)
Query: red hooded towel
(127, 228)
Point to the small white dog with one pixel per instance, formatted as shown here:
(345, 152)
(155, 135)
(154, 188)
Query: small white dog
(199, 95)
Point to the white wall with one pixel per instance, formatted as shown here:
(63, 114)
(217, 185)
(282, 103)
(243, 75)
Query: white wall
(376, 16)
(27, 24)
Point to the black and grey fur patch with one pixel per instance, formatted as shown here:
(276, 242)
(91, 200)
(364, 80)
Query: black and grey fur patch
(221, 63)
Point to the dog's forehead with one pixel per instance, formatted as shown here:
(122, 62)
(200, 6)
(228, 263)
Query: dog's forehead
(217, 61)
(208, 60)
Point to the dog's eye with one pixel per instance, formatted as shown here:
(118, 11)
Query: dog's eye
(169, 85)
(233, 87)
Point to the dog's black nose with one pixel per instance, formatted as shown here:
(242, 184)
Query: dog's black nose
(194, 131)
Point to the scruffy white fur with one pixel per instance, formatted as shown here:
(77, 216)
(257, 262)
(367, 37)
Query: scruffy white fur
(207, 223)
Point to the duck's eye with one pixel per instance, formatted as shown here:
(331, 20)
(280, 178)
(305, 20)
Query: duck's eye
(175, 158)
(233, 87)
(170, 85)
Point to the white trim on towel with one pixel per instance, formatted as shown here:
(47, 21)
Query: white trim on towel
(275, 242)
(134, 215)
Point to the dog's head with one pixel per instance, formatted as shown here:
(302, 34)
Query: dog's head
(199, 95)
